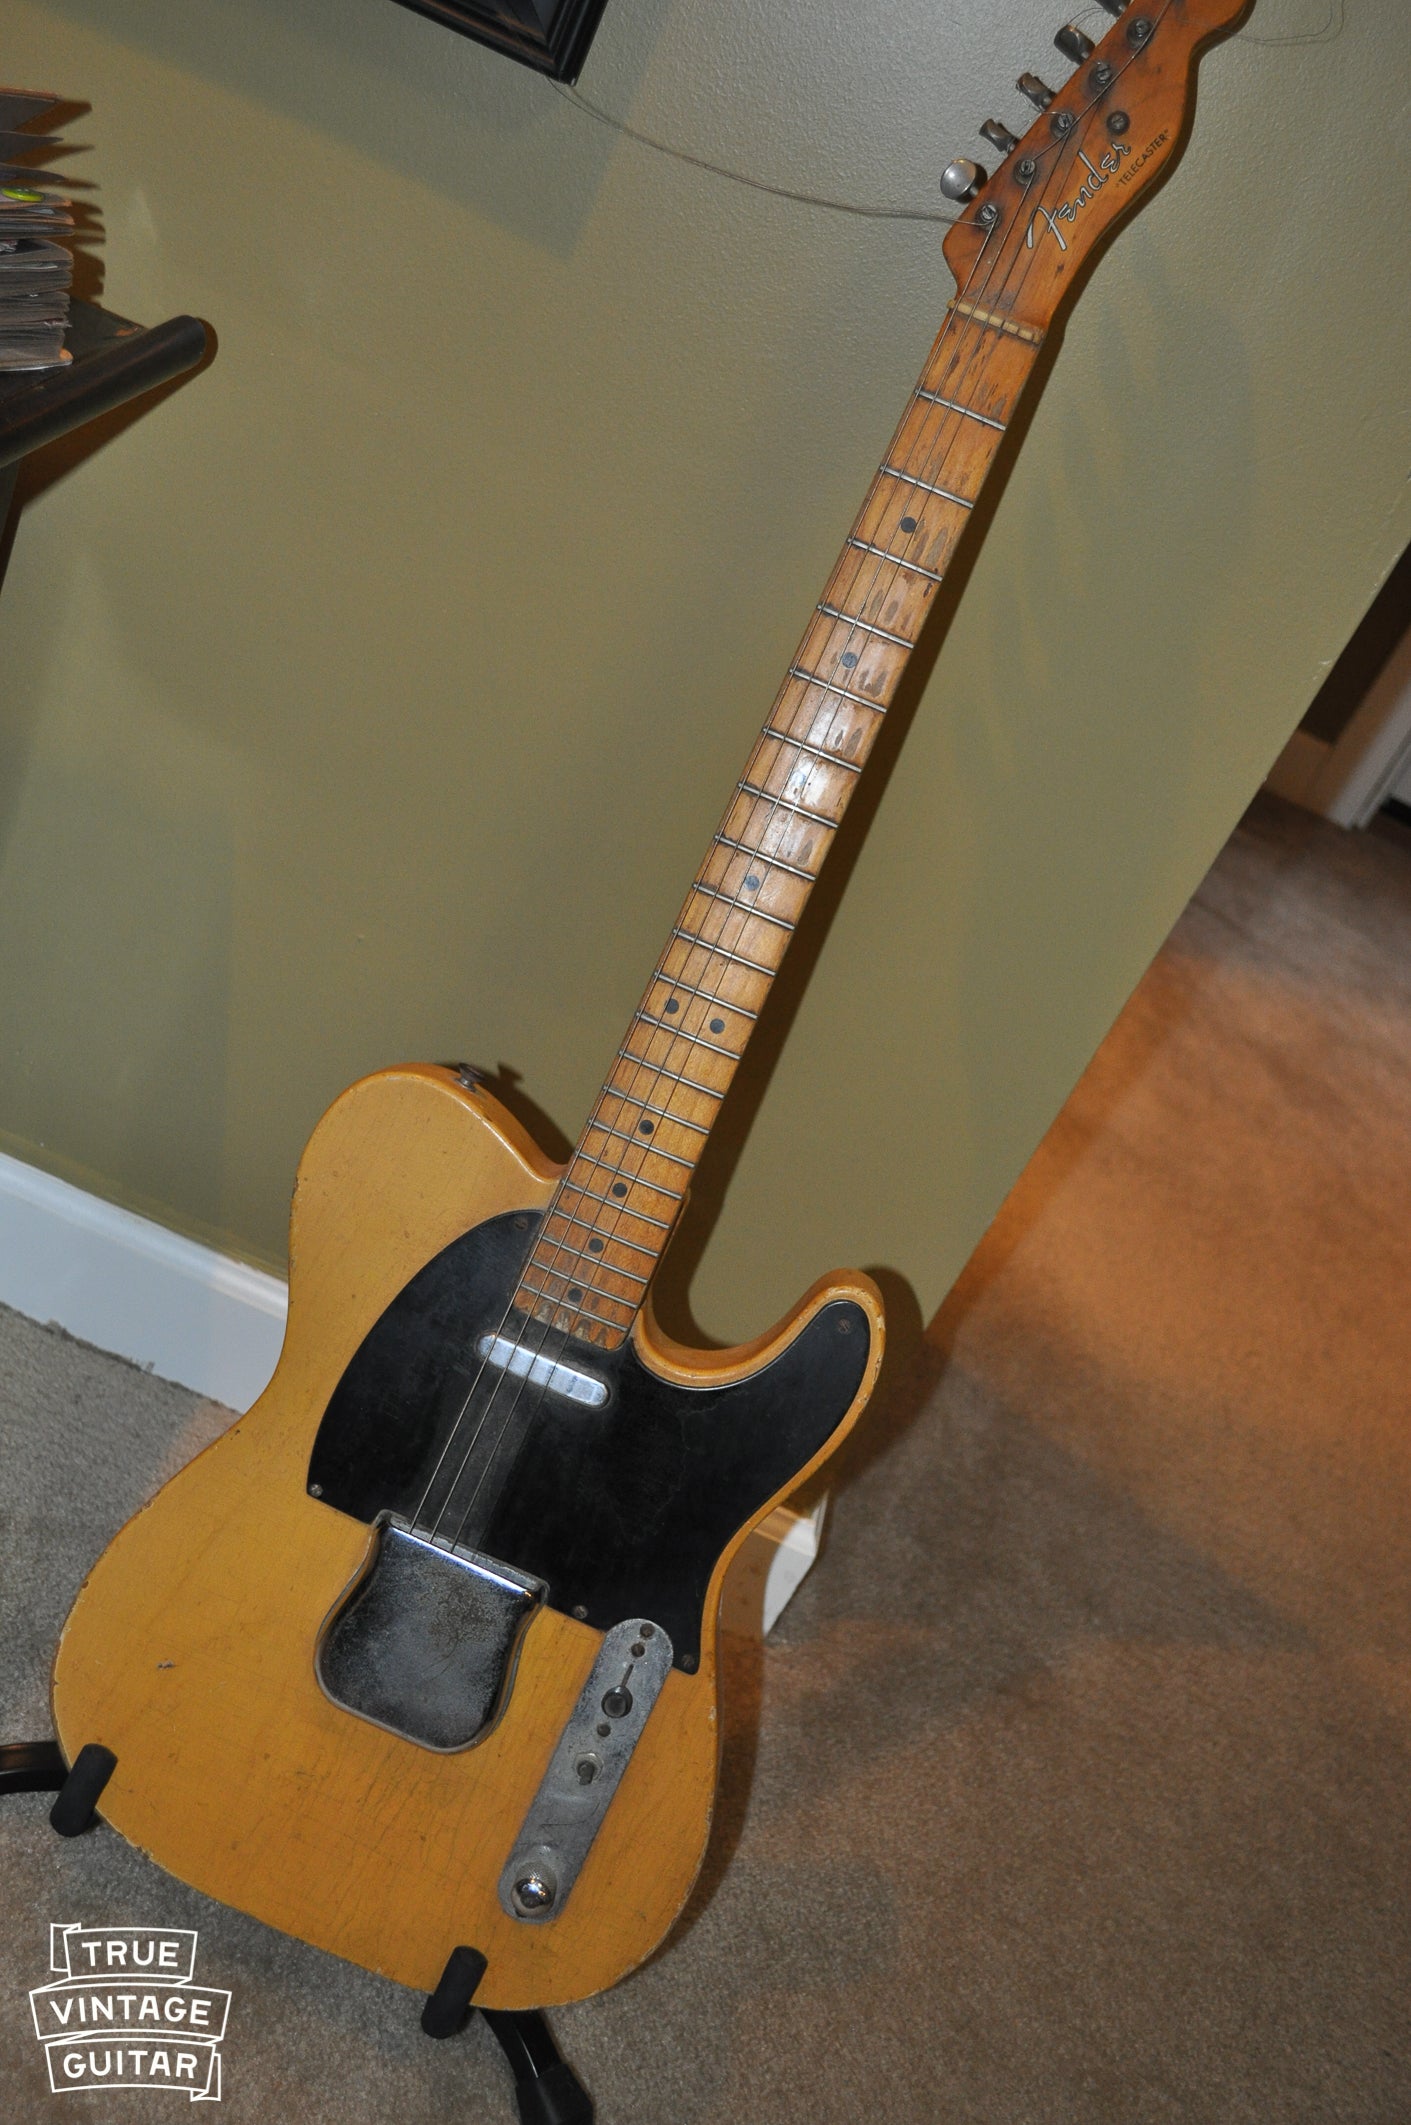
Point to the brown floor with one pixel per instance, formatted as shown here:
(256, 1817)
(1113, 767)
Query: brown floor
(1078, 1784)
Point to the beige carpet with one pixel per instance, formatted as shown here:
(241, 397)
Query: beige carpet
(1074, 1784)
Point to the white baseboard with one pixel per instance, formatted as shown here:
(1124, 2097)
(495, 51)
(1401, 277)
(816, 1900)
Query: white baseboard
(216, 1325)
(132, 1287)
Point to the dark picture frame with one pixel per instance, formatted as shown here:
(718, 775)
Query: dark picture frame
(552, 35)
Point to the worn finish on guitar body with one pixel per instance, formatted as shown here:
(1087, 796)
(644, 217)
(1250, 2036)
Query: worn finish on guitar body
(190, 1649)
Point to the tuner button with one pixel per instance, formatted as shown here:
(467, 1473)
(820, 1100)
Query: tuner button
(1073, 44)
(999, 136)
(961, 179)
(1037, 92)
(1114, 7)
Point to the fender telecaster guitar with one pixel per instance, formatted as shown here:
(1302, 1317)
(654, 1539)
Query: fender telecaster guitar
(422, 1652)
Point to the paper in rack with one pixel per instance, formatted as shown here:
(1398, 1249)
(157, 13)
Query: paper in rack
(36, 268)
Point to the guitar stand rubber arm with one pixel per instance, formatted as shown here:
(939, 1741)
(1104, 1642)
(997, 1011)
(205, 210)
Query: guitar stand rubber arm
(39, 1767)
(547, 2090)
(75, 1809)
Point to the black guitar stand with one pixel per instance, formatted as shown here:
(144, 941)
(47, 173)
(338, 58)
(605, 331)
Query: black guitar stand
(547, 2090)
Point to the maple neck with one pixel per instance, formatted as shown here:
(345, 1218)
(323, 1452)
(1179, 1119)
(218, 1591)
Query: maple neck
(613, 1211)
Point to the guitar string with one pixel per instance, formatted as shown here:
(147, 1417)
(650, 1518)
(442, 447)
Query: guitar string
(943, 443)
(742, 177)
(659, 1067)
(941, 446)
(939, 450)
(598, 1165)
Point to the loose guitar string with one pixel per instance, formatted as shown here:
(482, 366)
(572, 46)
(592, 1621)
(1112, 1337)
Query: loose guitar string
(939, 449)
(599, 1165)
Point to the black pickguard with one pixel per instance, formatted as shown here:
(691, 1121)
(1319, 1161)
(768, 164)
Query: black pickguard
(622, 1509)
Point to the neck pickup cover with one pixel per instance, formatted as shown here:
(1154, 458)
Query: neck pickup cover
(522, 1363)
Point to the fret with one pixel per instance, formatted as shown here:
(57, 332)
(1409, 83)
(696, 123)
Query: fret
(754, 914)
(831, 686)
(581, 1278)
(787, 804)
(688, 937)
(630, 1099)
(589, 1195)
(942, 494)
(660, 1070)
(617, 1239)
(834, 612)
(773, 863)
(581, 1281)
(862, 546)
(785, 737)
(697, 1040)
(577, 1310)
(953, 405)
(625, 1136)
(708, 995)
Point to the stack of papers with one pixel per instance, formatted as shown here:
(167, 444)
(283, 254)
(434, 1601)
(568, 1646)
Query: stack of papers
(36, 269)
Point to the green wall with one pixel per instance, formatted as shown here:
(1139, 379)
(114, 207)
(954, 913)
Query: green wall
(372, 696)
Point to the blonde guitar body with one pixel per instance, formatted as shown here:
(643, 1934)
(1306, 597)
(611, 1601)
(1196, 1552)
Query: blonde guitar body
(190, 1651)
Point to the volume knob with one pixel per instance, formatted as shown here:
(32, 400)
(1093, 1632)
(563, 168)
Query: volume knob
(1073, 44)
(1037, 91)
(961, 179)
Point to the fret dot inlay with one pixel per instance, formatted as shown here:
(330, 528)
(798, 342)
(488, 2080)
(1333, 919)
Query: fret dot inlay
(717, 1025)
(645, 1127)
(753, 884)
(908, 523)
(619, 1187)
(595, 1245)
(575, 1292)
(848, 659)
(672, 1004)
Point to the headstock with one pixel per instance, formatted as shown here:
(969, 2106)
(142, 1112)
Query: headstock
(1097, 145)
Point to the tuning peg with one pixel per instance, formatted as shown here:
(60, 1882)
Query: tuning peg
(1073, 44)
(999, 136)
(961, 179)
(1037, 92)
(1114, 7)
